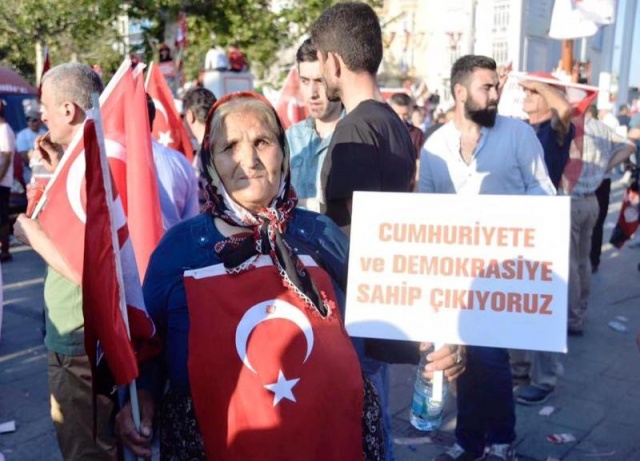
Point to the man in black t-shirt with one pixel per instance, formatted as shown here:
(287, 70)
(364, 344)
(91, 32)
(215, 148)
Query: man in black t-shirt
(371, 149)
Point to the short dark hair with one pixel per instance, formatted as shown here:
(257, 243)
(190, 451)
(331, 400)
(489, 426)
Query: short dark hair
(351, 30)
(307, 52)
(593, 110)
(199, 101)
(465, 66)
(401, 99)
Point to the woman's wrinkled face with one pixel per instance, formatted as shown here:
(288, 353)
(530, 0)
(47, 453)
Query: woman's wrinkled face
(248, 159)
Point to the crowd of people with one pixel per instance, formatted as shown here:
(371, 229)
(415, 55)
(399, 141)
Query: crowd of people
(257, 230)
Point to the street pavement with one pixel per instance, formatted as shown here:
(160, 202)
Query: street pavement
(597, 400)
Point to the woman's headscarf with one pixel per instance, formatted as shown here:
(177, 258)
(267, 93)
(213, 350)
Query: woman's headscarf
(265, 228)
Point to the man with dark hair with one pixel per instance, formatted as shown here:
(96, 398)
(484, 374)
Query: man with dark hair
(7, 150)
(66, 96)
(195, 105)
(309, 139)
(402, 104)
(370, 150)
(481, 152)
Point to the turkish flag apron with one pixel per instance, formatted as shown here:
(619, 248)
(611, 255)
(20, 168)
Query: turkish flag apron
(270, 378)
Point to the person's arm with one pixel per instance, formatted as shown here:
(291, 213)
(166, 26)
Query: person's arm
(560, 107)
(634, 134)
(621, 154)
(30, 232)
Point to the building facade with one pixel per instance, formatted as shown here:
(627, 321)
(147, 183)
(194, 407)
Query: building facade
(424, 37)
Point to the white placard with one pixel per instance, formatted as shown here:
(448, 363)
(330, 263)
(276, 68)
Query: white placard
(483, 270)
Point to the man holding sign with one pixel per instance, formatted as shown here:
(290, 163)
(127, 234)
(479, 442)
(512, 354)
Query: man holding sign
(370, 150)
(480, 152)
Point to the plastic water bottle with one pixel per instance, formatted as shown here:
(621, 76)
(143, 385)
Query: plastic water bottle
(426, 414)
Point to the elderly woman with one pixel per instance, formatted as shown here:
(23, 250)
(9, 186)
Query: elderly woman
(247, 299)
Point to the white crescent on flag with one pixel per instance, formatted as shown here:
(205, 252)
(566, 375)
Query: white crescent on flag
(269, 310)
(160, 108)
(76, 177)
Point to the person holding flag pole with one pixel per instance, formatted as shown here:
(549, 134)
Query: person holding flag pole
(84, 307)
(66, 98)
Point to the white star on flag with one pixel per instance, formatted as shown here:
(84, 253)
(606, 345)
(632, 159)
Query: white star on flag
(282, 389)
(164, 138)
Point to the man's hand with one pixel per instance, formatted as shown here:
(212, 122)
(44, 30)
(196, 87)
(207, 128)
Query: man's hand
(49, 153)
(26, 229)
(450, 358)
(138, 441)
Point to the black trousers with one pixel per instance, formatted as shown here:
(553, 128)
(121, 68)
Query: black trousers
(602, 194)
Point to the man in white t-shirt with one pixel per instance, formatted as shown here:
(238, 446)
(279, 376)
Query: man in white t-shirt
(216, 59)
(7, 149)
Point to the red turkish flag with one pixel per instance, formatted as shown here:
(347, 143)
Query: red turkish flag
(290, 105)
(167, 127)
(111, 290)
(283, 383)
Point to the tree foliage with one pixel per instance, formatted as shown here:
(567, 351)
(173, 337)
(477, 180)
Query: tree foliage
(85, 29)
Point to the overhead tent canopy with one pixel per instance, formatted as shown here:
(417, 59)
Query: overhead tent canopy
(18, 95)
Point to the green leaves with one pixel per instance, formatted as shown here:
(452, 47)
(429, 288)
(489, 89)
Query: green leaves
(87, 30)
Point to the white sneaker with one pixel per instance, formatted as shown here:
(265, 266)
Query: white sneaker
(501, 452)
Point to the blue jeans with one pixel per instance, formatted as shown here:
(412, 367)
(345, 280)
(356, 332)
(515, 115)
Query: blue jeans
(486, 413)
(378, 373)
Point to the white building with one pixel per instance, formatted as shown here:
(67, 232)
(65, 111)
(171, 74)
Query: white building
(425, 37)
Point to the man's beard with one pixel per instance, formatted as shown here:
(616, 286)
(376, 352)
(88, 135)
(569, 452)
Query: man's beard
(333, 92)
(483, 117)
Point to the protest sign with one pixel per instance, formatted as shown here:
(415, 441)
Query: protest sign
(481, 270)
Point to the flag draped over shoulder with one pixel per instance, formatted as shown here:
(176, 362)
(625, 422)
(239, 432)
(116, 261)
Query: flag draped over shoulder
(167, 126)
(290, 106)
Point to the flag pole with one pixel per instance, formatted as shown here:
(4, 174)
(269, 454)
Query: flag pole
(106, 176)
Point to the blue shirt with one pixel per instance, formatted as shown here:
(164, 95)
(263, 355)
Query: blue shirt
(190, 245)
(507, 161)
(556, 152)
(308, 151)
